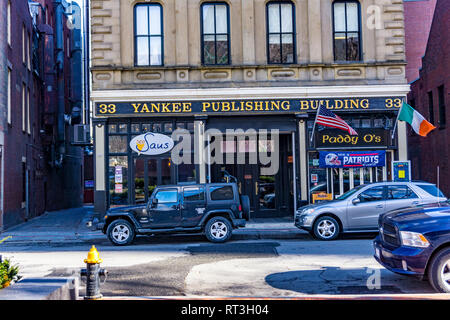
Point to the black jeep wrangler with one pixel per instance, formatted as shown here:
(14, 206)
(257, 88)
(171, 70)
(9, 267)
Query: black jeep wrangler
(215, 209)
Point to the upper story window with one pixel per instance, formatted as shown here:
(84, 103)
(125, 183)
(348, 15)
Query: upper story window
(24, 45)
(347, 31)
(148, 35)
(215, 33)
(280, 32)
(8, 22)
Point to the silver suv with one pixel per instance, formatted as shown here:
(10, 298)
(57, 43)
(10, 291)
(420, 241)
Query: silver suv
(358, 209)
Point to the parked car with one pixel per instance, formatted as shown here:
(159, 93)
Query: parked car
(215, 209)
(358, 209)
(416, 242)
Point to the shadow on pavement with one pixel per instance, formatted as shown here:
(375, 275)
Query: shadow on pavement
(333, 280)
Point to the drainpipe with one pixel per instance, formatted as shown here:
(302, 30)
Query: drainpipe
(59, 35)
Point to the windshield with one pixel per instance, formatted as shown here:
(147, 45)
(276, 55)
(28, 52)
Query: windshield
(349, 193)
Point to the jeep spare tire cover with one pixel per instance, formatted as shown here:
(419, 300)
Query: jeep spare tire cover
(245, 202)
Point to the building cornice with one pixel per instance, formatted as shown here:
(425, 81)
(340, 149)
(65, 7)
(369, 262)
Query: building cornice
(252, 93)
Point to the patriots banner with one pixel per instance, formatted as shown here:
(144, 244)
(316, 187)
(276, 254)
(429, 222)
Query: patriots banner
(352, 159)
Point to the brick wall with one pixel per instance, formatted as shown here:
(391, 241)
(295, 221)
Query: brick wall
(418, 17)
(432, 151)
(49, 188)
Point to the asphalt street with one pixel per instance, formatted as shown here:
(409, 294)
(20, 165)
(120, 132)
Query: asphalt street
(256, 263)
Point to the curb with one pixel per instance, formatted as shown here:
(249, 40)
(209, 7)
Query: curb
(309, 297)
(239, 234)
(42, 289)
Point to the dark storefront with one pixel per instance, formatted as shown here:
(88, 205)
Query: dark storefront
(280, 129)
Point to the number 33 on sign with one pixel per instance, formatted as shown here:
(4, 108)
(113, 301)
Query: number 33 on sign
(107, 108)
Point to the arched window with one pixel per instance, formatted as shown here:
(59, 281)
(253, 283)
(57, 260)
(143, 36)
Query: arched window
(215, 33)
(148, 35)
(347, 31)
(280, 32)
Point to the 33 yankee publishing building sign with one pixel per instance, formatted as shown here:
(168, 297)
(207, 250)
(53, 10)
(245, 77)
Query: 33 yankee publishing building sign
(279, 106)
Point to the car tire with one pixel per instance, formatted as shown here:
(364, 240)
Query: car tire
(120, 232)
(218, 229)
(439, 271)
(326, 228)
(245, 202)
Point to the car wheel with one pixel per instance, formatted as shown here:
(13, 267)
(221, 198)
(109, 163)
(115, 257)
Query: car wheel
(245, 201)
(218, 229)
(326, 228)
(120, 232)
(439, 271)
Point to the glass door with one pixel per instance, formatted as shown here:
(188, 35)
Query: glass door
(149, 173)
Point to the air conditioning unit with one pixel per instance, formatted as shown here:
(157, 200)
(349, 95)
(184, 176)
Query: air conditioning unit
(81, 135)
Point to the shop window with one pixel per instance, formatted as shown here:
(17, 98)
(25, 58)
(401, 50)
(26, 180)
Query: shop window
(168, 127)
(122, 128)
(346, 31)
(181, 125)
(215, 33)
(118, 144)
(365, 123)
(389, 123)
(186, 172)
(378, 123)
(146, 127)
(118, 180)
(356, 123)
(157, 127)
(135, 128)
(112, 128)
(148, 34)
(280, 32)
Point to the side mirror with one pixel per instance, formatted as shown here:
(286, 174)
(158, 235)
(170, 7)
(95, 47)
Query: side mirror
(356, 201)
(154, 202)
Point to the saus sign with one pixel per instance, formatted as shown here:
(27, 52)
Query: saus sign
(185, 108)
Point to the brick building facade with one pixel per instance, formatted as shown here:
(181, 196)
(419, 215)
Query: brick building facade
(41, 171)
(418, 18)
(430, 96)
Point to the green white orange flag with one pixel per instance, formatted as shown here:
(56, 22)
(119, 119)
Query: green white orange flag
(416, 120)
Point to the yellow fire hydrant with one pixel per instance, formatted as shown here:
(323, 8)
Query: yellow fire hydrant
(92, 274)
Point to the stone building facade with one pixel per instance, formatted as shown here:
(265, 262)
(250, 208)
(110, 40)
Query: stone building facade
(244, 64)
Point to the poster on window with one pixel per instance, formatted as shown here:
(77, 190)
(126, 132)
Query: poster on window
(352, 159)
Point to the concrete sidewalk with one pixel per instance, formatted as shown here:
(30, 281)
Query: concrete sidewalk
(70, 226)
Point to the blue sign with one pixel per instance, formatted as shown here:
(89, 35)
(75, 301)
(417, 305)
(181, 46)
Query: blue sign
(352, 159)
(401, 171)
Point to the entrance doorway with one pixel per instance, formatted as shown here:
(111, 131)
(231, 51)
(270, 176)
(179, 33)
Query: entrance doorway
(148, 173)
(270, 195)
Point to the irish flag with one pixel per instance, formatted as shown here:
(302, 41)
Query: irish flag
(416, 120)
